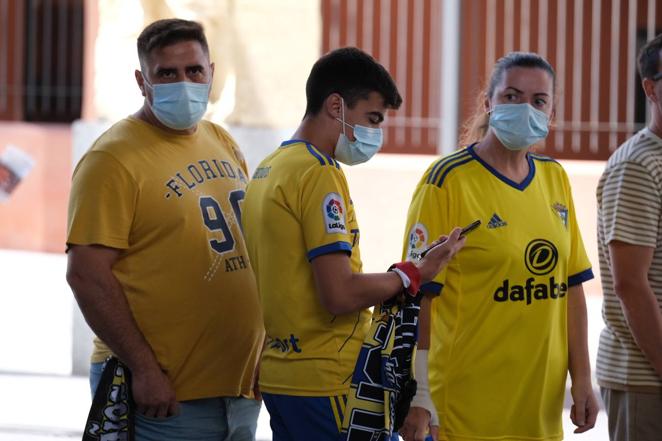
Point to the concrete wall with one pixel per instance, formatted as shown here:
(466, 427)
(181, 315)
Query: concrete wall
(263, 51)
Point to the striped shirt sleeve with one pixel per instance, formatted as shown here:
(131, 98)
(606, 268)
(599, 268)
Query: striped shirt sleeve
(630, 207)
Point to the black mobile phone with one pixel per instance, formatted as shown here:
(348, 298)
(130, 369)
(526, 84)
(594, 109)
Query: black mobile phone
(466, 230)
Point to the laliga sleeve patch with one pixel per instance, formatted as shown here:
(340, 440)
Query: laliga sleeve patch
(333, 211)
(418, 241)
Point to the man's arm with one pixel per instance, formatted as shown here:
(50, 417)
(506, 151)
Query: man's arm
(584, 411)
(342, 292)
(105, 308)
(629, 267)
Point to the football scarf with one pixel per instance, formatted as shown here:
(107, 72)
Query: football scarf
(111, 416)
(382, 385)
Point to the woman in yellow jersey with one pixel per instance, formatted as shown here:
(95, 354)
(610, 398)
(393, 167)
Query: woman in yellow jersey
(510, 321)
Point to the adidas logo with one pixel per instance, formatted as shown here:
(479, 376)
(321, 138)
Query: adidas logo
(496, 222)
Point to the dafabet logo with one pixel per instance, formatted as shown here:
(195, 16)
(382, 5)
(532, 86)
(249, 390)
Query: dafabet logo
(540, 257)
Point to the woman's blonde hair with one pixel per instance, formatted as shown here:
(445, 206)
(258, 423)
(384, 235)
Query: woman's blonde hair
(476, 126)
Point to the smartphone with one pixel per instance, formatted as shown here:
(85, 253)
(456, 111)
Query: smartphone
(466, 230)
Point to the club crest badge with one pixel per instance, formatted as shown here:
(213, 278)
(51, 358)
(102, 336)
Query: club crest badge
(562, 212)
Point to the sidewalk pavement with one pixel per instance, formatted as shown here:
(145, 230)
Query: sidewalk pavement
(49, 407)
(54, 407)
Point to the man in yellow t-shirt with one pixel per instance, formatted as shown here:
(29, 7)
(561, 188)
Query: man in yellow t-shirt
(303, 241)
(157, 260)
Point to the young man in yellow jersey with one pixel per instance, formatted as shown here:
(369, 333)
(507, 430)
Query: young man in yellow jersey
(303, 241)
(157, 260)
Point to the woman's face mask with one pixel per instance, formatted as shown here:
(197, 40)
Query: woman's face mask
(518, 126)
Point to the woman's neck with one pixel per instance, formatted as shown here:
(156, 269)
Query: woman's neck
(511, 164)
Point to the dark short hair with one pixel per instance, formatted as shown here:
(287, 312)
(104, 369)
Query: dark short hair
(649, 58)
(169, 31)
(351, 73)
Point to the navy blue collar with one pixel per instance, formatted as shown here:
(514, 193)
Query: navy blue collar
(313, 151)
(522, 185)
(293, 141)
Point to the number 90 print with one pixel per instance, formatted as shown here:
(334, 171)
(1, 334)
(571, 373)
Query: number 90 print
(214, 220)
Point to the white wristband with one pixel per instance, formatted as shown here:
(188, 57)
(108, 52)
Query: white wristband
(422, 397)
(405, 280)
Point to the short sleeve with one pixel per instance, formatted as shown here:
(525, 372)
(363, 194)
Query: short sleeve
(630, 205)
(427, 219)
(231, 144)
(102, 202)
(324, 213)
(579, 265)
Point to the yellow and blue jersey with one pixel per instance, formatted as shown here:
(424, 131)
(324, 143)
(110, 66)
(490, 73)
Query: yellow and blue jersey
(499, 352)
(297, 208)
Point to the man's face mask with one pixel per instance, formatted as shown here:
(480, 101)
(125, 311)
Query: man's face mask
(368, 142)
(181, 105)
(518, 126)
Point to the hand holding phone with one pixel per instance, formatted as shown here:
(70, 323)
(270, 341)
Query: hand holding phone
(466, 230)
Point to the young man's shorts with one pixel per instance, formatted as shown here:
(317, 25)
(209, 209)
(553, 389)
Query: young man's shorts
(306, 418)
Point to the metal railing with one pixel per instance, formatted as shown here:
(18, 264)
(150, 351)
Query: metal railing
(405, 37)
(592, 44)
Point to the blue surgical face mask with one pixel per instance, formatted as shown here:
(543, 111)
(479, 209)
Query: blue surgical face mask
(181, 105)
(367, 142)
(518, 126)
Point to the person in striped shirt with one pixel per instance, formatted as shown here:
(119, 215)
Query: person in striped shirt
(629, 367)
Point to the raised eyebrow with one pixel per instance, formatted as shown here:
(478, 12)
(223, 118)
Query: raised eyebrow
(541, 94)
(515, 89)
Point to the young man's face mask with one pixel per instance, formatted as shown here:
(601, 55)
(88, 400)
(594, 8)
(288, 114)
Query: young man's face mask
(367, 142)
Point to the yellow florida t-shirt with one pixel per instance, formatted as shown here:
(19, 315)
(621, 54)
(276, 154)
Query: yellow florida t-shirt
(172, 205)
(297, 208)
(499, 354)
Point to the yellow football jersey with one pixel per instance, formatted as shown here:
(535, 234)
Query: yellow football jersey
(297, 208)
(498, 356)
(171, 204)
